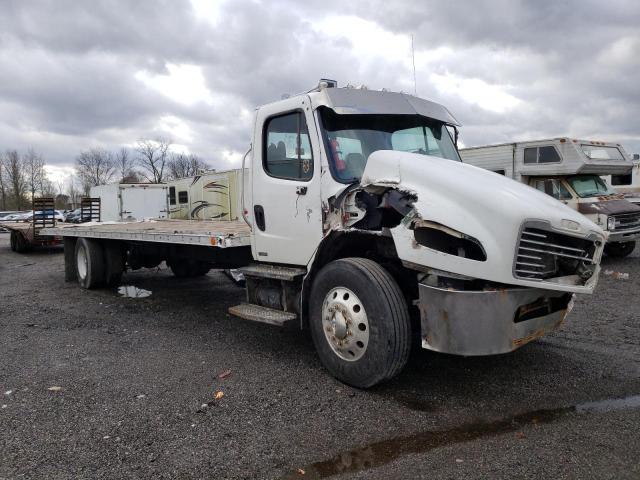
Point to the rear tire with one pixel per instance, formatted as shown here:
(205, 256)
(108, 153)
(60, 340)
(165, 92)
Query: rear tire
(89, 263)
(21, 243)
(13, 240)
(619, 249)
(185, 268)
(113, 264)
(357, 305)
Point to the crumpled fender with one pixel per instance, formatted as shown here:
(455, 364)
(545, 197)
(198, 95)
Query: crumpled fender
(481, 204)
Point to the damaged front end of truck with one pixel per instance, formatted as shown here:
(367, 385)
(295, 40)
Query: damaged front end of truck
(496, 263)
(486, 263)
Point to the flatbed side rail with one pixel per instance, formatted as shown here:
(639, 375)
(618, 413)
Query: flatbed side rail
(220, 234)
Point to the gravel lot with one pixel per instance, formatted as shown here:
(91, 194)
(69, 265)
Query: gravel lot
(136, 380)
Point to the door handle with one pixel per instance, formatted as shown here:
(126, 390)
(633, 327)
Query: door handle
(258, 214)
(301, 190)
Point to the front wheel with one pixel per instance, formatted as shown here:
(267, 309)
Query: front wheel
(619, 249)
(359, 322)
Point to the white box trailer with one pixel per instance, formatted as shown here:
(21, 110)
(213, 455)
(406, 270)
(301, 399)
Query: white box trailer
(131, 201)
(570, 170)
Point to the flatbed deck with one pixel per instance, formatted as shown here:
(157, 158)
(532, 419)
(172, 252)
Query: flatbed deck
(19, 226)
(221, 234)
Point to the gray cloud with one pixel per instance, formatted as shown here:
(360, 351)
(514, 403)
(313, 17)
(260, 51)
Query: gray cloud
(68, 69)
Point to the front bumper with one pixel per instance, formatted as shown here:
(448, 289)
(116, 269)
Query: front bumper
(488, 322)
(623, 235)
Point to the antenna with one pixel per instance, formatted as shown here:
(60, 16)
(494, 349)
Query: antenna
(413, 60)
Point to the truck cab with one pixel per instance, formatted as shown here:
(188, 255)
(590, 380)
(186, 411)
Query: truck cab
(360, 189)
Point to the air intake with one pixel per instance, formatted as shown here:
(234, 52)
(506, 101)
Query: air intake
(544, 254)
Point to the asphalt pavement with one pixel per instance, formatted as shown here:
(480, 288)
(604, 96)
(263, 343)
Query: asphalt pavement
(168, 385)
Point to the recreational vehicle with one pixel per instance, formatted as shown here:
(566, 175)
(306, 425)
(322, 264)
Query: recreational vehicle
(208, 196)
(570, 171)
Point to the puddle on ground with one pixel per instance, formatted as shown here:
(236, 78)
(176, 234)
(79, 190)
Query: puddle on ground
(383, 452)
(609, 405)
(129, 291)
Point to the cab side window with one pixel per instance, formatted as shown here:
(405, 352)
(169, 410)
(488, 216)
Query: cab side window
(287, 149)
(554, 188)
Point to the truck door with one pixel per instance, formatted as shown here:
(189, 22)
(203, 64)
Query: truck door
(286, 206)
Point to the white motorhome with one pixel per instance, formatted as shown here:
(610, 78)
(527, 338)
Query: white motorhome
(628, 184)
(208, 196)
(360, 222)
(131, 201)
(569, 170)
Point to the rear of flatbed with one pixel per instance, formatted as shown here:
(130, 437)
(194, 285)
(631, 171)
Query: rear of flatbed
(97, 253)
(27, 234)
(24, 236)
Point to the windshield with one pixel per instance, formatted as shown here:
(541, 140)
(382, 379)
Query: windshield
(598, 152)
(589, 186)
(350, 139)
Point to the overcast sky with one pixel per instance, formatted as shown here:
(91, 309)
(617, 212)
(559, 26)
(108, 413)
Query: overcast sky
(82, 74)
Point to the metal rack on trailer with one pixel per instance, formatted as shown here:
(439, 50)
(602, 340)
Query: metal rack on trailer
(27, 234)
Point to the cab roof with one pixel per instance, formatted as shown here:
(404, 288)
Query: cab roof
(353, 101)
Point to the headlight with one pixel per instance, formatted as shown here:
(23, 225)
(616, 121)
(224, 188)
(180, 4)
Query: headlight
(611, 223)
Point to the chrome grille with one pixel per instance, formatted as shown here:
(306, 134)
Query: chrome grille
(627, 221)
(543, 254)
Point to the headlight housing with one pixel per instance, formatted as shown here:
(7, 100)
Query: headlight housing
(611, 223)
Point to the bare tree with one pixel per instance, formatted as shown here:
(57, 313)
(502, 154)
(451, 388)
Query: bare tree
(34, 172)
(47, 187)
(95, 167)
(62, 201)
(152, 158)
(125, 164)
(16, 178)
(73, 191)
(3, 184)
(182, 165)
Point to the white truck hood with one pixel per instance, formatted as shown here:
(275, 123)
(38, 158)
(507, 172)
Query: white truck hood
(482, 204)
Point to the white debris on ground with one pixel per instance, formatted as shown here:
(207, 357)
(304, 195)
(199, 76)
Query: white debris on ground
(616, 275)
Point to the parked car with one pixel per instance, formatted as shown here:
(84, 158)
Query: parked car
(57, 214)
(74, 217)
(3, 215)
(16, 217)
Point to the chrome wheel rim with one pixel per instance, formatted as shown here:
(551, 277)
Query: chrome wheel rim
(81, 262)
(345, 324)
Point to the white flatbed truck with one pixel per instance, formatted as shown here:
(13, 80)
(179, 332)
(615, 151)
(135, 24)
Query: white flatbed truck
(361, 222)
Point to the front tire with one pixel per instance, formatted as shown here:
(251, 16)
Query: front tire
(359, 322)
(619, 249)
